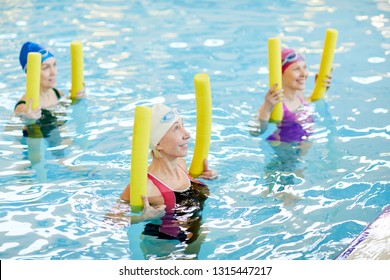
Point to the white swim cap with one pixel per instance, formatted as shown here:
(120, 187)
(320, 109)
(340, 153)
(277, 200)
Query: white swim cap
(163, 118)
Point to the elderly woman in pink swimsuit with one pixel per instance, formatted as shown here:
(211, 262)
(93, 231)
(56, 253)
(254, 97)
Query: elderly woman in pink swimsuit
(298, 115)
(171, 192)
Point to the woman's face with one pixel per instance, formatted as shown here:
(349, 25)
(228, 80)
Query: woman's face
(175, 142)
(49, 73)
(295, 76)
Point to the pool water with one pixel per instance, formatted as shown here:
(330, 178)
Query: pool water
(270, 202)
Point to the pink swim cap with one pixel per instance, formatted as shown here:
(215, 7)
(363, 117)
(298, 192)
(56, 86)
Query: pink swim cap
(289, 57)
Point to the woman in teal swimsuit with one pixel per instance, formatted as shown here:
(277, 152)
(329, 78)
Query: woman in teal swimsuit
(42, 116)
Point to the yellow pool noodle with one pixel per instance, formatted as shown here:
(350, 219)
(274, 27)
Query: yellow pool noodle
(326, 63)
(33, 80)
(77, 58)
(203, 123)
(139, 158)
(275, 75)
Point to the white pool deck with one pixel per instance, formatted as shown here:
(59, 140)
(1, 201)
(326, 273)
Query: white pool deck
(373, 243)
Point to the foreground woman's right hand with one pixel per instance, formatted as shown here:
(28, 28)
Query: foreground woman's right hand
(150, 212)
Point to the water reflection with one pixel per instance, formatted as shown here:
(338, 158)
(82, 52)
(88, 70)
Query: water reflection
(288, 161)
(176, 235)
(47, 140)
(285, 169)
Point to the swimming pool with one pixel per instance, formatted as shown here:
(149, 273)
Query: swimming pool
(54, 194)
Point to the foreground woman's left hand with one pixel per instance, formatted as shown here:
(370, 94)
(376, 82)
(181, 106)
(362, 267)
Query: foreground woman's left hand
(207, 173)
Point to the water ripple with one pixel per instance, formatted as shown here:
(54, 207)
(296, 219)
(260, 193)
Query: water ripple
(270, 202)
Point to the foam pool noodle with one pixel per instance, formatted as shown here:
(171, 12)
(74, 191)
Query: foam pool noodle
(275, 75)
(139, 157)
(203, 123)
(326, 63)
(77, 69)
(33, 80)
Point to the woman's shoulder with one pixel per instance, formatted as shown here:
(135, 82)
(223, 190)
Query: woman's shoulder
(21, 101)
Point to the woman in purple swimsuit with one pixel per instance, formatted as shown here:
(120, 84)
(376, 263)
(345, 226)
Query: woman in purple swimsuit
(289, 142)
(297, 121)
(171, 192)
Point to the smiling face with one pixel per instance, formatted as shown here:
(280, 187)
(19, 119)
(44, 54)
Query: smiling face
(48, 73)
(174, 143)
(295, 76)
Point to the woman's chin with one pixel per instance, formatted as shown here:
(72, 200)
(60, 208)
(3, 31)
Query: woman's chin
(185, 152)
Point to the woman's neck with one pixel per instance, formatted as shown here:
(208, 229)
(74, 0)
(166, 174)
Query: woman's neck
(291, 99)
(47, 98)
(169, 173)
(290, 95)
(164, 167)
(45, 91)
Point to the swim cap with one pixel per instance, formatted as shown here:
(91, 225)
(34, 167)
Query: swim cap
(32, 47)
(289, 57)
(163, 118)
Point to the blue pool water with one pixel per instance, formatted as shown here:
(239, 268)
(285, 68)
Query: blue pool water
(54, 194)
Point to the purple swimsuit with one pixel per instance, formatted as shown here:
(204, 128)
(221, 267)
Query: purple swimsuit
(295, 126)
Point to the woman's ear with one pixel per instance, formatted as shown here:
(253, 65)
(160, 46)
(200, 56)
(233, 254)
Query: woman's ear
(156, 152)
(158, 147)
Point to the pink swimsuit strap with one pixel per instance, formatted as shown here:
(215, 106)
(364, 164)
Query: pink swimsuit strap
(167, 193)
(300, 99)
(169, 225)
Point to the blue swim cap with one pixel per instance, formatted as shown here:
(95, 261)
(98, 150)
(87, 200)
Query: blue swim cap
(32, 47)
